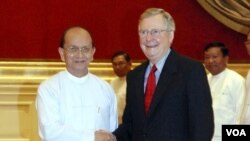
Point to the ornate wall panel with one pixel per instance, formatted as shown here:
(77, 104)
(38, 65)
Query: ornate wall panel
(235, 14)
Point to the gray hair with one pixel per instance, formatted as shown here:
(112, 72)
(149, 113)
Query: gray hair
(170, 24)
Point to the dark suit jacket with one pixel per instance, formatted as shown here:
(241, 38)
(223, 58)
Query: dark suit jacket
(181, 109)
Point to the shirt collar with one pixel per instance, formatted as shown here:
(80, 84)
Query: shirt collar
(160, 64)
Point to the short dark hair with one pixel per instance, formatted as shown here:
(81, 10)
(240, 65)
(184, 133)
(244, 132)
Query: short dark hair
(216, 44)
(123, 53)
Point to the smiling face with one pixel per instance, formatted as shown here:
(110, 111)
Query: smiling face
(214, 60)
(155, 39)
(121, 66)
(77, 51)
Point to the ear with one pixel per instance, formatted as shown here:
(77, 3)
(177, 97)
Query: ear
(226, 59)
(171, 36)
(130, 63)
(93, 53)
(61, 52)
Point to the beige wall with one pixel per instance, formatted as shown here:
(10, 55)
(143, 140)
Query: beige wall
(18, 84)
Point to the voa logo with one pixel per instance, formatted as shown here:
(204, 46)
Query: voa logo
(236, 132)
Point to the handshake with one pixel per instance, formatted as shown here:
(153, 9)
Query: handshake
(102, 135)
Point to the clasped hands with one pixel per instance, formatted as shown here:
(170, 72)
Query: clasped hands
(102, 135)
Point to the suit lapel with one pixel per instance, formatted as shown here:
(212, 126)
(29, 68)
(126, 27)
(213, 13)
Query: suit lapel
(140, 89)
(166, 76)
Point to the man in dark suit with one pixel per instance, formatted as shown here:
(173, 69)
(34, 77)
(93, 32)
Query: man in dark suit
(180, 106)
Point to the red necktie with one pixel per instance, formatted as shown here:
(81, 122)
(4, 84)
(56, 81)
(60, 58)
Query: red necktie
(150, 88)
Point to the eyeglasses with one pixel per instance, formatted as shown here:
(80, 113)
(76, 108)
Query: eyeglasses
(152, 32)
(75, 50)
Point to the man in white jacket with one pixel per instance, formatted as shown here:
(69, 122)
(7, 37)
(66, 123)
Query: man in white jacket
(121, 63)
(74, 104)
(227, 88)
(246, 113)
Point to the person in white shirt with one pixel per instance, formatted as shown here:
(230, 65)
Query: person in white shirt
(74, 104)
(227, 87)
(246, 113)
(121, 63)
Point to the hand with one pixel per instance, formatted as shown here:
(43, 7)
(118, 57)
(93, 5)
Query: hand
(102, 135)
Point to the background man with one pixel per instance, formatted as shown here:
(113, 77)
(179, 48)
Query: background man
(246, 113)
(227, 87)
(121, 63)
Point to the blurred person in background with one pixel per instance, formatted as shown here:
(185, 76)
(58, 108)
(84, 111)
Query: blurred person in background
(121, 63)
(246, 113)
(227, 87)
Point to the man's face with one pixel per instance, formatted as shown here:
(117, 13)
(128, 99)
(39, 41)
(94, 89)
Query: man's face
(247, 43)
(77, 52)
(120, 66)
(155, 40)
(214, 60)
